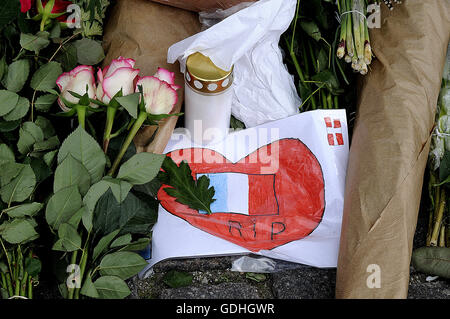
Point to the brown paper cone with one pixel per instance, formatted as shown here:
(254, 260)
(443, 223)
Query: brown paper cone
(202, 5)
(389, 149)
(144, 30)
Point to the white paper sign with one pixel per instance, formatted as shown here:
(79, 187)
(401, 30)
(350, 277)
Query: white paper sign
(279, 193)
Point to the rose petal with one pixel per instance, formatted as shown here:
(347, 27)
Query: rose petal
(78, 85)
(165, 100)
(80, 68)
(63, 106)
(117, 64)
(25, 5)
(159, 96)
(165, 75)
(63, 80)
(122, 78)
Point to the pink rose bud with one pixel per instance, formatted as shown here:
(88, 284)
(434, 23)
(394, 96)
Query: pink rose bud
(120, 74)
(76, 81)
(159, 91)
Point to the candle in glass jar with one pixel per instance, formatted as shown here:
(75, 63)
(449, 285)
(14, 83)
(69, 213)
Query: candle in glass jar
(208, 98)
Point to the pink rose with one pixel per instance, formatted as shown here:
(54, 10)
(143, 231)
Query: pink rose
(120, 74)
(159, 91)
(76, 81)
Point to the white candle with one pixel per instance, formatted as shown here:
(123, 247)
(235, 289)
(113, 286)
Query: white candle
(208, 97)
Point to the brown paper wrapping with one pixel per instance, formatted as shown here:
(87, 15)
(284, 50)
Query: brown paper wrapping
(389, 150)
(202, 5)
(144, 30)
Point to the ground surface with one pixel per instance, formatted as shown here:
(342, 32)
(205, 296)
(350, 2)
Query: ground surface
(212, 278)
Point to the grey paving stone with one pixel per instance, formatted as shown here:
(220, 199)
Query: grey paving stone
(220, 291)
(195, 264)
(304, 283)
(419, 288)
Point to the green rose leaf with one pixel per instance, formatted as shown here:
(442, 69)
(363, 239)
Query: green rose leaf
(134, 215)
(29, 134)
(24, 210)
(40, 169)
(46, 126)
(8, 12)
(123, 264)
(121, 241)
(46, 145)
(89, 52)
(44, 79)
(45, 102)
(17, 182)
(89, 288)
(103, 244)
(8, 126)
(111, 287)
(8, 101)
(18, 231)
(118, 187)
(3, 67)
(68, 57)
(69, 239)
(6, 155)
(139, 244)
(71, 172)
(32, 266)
(34, 42)
(49, 157)
(17, 75)
(130, 103)
(141, 168)
(85, 149)
(19, 111)
(62, 206)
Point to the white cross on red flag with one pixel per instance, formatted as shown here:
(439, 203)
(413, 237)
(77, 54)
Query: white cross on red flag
(334, 131)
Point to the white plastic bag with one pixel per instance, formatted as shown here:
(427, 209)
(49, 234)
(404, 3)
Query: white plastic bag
(263, 88)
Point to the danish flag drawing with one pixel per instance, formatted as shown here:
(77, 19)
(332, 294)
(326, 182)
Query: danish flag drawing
(334, 131)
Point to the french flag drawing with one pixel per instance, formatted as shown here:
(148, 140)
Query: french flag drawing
(247, 194)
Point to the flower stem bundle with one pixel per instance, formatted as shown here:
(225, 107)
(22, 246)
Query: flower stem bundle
(354, 42)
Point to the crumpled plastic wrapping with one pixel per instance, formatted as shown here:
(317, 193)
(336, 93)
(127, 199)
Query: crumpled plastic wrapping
(263, 88)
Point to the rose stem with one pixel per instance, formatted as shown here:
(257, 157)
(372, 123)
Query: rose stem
(110, 115)
(136, 126)
(73, 260)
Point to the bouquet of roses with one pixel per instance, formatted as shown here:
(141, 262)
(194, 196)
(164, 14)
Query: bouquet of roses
(96, 215)
(35, 45)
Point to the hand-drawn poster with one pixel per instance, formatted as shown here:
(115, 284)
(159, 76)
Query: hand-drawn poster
(279, 190)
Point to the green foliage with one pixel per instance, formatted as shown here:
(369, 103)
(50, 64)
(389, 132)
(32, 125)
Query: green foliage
(197, 194)
(322, 80)
(89, 52)
(177, 279)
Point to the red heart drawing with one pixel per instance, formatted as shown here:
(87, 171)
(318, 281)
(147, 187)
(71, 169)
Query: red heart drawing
(286, 198)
